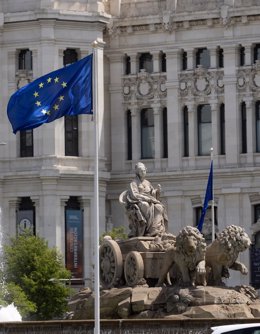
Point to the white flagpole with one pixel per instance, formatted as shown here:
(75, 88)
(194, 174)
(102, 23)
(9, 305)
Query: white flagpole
(96, 190)
(212, 202)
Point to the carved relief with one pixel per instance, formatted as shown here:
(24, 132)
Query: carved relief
(201, 83)
(144, 87)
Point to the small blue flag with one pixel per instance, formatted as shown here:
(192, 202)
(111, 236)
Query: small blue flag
(208, 197)
(67, 91)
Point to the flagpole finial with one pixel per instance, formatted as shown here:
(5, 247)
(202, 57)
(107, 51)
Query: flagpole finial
(211, 153)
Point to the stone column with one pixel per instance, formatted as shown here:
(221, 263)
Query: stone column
(136, 137)
(193, 140)
(231, 106)
(213, 57)
(36, 203)
(118, 133)
(156, 65)
(157, 135)
(63, 203)
(250, 130)
(134, 62)
(11, 228)
(215, 126)
(248, 54)
(87, 242)
(190, 59)
(174, 113)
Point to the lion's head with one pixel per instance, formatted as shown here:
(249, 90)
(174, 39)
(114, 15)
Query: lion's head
(234, 238)
(190, 241)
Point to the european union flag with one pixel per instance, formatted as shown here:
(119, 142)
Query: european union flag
(208, 197)
(67, 91)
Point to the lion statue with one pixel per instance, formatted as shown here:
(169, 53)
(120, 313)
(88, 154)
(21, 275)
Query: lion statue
(186, 258)
(222, 254)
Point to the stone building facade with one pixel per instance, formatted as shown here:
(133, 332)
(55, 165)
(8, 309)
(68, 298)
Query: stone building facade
(178, 77)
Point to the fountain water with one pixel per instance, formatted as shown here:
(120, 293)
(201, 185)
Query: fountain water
(10, 312)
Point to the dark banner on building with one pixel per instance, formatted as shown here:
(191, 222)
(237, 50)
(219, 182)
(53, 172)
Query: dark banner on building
(74, 242)
(255, 266)
(25, 221)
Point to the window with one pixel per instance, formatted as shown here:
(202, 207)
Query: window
(165, 133)
(241, 56)
(204, 130)
(146, 62)
(71, 136)
(184, 61)
(222, 130)
(220, 54)
(70, 56)
(129, 134)
(71, 122)
(163, 62)
(147, 134)
(243, 128)
(256, 213)
(127, 65)
(26, 143)
(203, 57)
(185, 132)
(25, 60)
(257, 117)
(256, 52)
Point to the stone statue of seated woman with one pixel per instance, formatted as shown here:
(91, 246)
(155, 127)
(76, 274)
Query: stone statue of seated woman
(147, 215)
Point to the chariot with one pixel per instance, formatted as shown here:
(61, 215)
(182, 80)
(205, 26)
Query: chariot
(130, 262)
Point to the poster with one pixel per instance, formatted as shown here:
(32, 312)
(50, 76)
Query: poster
(74, 242)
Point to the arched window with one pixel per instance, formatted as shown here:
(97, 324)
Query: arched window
(220, 57)
(129, 134)
(203, 57)
(146, 62)
(26, 143)
(165, 133)
(127, 64)
(25, 60)
(70, 56)
(242, 56)
(204, 129)
(243, 128)
(163, 67)
(257, 118)
(147, 134)
(222, 129)
(184, 64)
(185, 132)
(256, 52)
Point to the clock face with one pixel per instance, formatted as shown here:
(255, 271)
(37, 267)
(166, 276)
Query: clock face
(25, 224)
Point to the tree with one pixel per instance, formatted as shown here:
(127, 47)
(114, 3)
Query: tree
(33, 273)
(116, 233)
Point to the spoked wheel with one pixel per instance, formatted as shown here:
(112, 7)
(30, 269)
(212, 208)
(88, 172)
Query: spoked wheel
(133, 268)
(111, 264)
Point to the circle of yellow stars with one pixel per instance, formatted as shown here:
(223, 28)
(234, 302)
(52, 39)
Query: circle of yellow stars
(41, 86)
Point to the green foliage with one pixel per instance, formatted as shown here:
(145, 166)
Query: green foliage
(33, 271)
(116, 233)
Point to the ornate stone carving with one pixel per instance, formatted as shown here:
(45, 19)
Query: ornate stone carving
(201, 83)
(144, 87)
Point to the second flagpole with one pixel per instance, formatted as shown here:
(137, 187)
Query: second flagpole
(212, 202)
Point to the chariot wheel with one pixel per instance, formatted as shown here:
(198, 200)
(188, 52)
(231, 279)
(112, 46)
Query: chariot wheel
(111, 263)
(133, 268)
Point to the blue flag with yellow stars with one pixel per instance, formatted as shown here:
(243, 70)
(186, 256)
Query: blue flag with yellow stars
(67, 91)
(208, 197)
